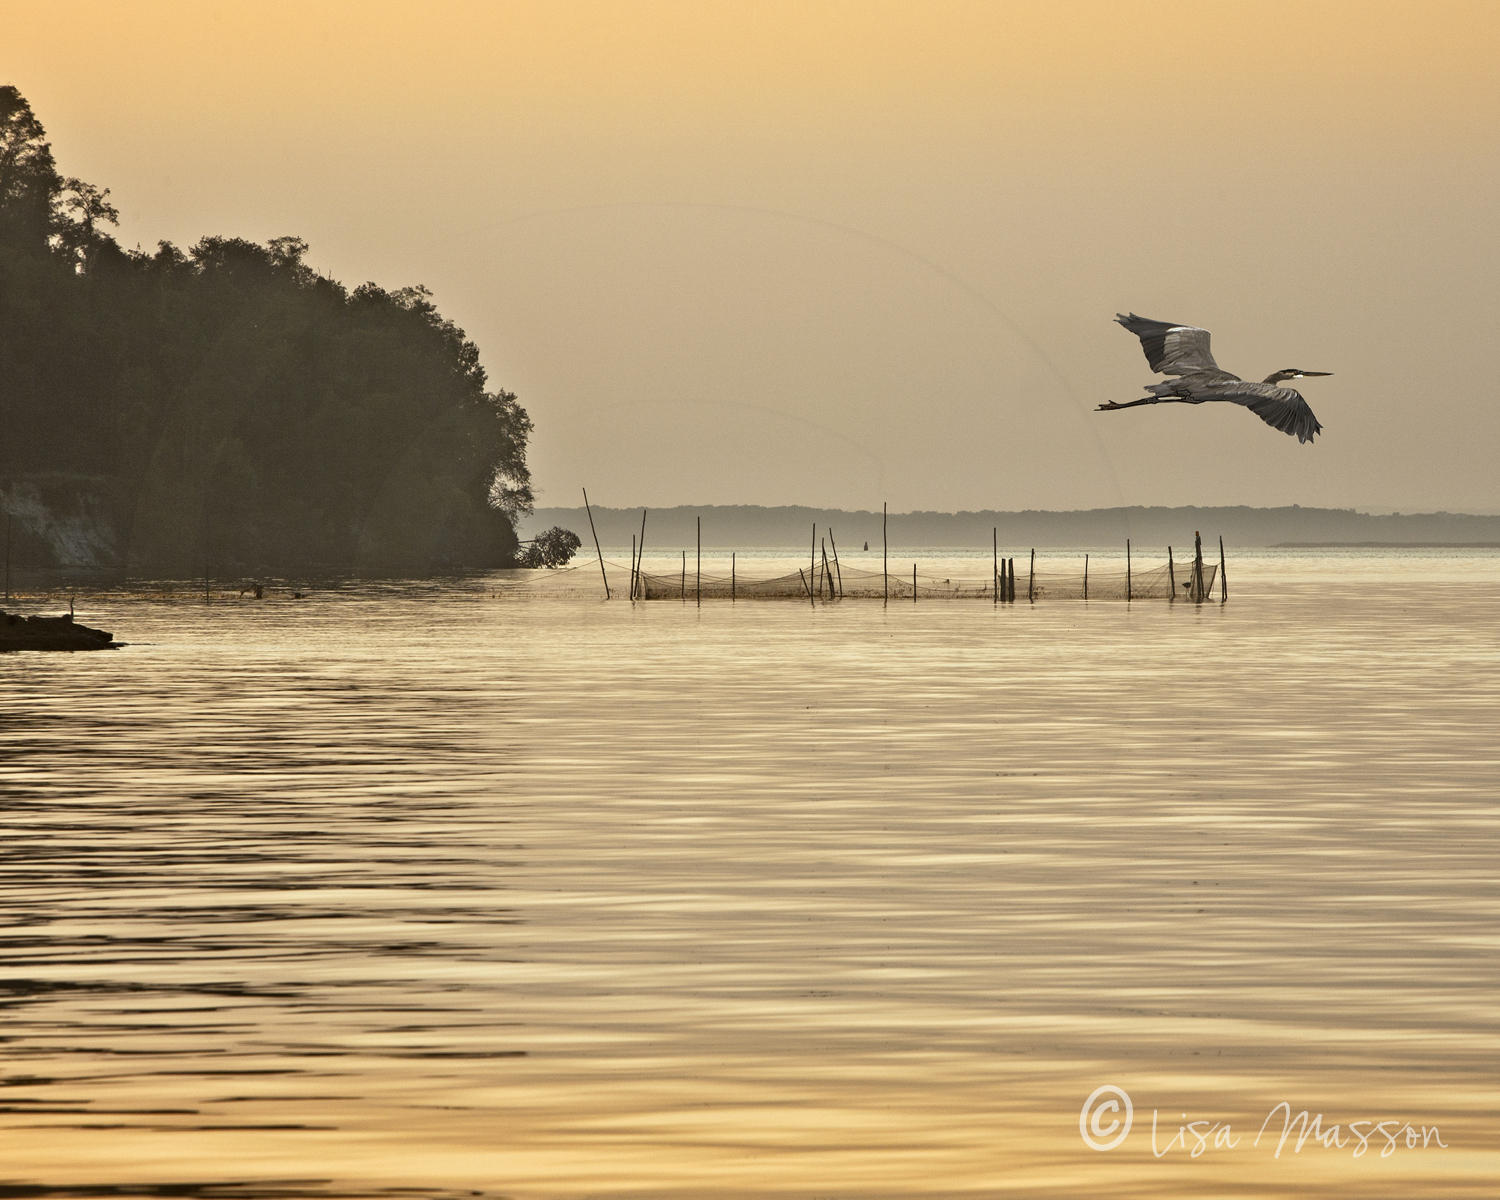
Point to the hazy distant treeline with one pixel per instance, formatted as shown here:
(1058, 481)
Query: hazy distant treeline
(228, 404)
(746, 526)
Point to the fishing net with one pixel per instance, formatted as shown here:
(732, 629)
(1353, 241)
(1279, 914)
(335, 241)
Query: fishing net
(832, 580)
(836, 582)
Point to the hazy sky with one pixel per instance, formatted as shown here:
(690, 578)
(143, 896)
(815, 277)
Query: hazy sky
(834, 253)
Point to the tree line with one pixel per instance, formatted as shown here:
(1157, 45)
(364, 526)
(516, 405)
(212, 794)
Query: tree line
(228, 406)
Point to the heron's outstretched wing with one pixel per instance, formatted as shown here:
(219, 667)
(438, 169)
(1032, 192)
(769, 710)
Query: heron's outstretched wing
(1280, 408)
(1171, 349)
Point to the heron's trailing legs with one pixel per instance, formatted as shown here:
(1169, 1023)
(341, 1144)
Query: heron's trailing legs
(1110, 405)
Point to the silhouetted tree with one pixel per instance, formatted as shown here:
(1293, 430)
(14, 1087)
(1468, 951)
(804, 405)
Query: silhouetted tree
(29, 182)
(555, 548)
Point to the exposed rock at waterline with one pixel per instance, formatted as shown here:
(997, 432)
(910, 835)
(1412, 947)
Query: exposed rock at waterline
(50, 633)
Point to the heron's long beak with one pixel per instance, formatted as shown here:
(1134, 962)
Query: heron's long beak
(1306, 374)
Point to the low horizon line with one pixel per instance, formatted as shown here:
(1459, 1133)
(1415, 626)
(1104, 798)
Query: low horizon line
(1369, 511)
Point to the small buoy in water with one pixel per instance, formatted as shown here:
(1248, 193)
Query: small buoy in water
(296, 595)
(867, 545)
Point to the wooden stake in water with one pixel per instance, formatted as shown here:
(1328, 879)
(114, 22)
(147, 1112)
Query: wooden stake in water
(698, 579)
(1223, 576)
(732, 556)
(812, 563)
(632, 568)
(684, 576)
(995, 565)
(598, 551)
(640, 557)
(885, 555)
(1171, 574)
(1085, 576)
(1127, 569)
(838, 570)
(914, 583)
(1031, 579)
(1199, 591)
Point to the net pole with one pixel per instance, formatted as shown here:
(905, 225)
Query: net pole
(995, 564)
(632, 566)
(914, 583)
(698, 578)
(1171, 574)
(1223, 576)
(1031, 579)
(640, 562)
(838, 570)
(812, 564)
(1198, 588)
(732, 556)
(597, 551)
(885, 555)
(1085, 576)
(684, 577)
(1128, 596)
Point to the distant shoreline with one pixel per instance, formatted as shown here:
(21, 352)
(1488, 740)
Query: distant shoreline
(1385, 546)
(746, 527)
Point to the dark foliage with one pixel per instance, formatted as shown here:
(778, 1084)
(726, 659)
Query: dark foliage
(555, 548)
(233, 406)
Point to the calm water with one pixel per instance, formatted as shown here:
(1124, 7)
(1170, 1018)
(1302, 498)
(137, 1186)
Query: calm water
(442, 889)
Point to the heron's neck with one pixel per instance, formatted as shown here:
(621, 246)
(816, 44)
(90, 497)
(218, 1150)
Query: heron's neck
(1280, 377)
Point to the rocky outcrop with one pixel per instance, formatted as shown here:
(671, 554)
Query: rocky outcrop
(50, 633)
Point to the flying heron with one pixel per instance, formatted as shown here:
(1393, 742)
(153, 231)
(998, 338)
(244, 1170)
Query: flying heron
(1182, 350)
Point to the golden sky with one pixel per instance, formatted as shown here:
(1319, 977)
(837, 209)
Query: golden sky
(833, 253)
